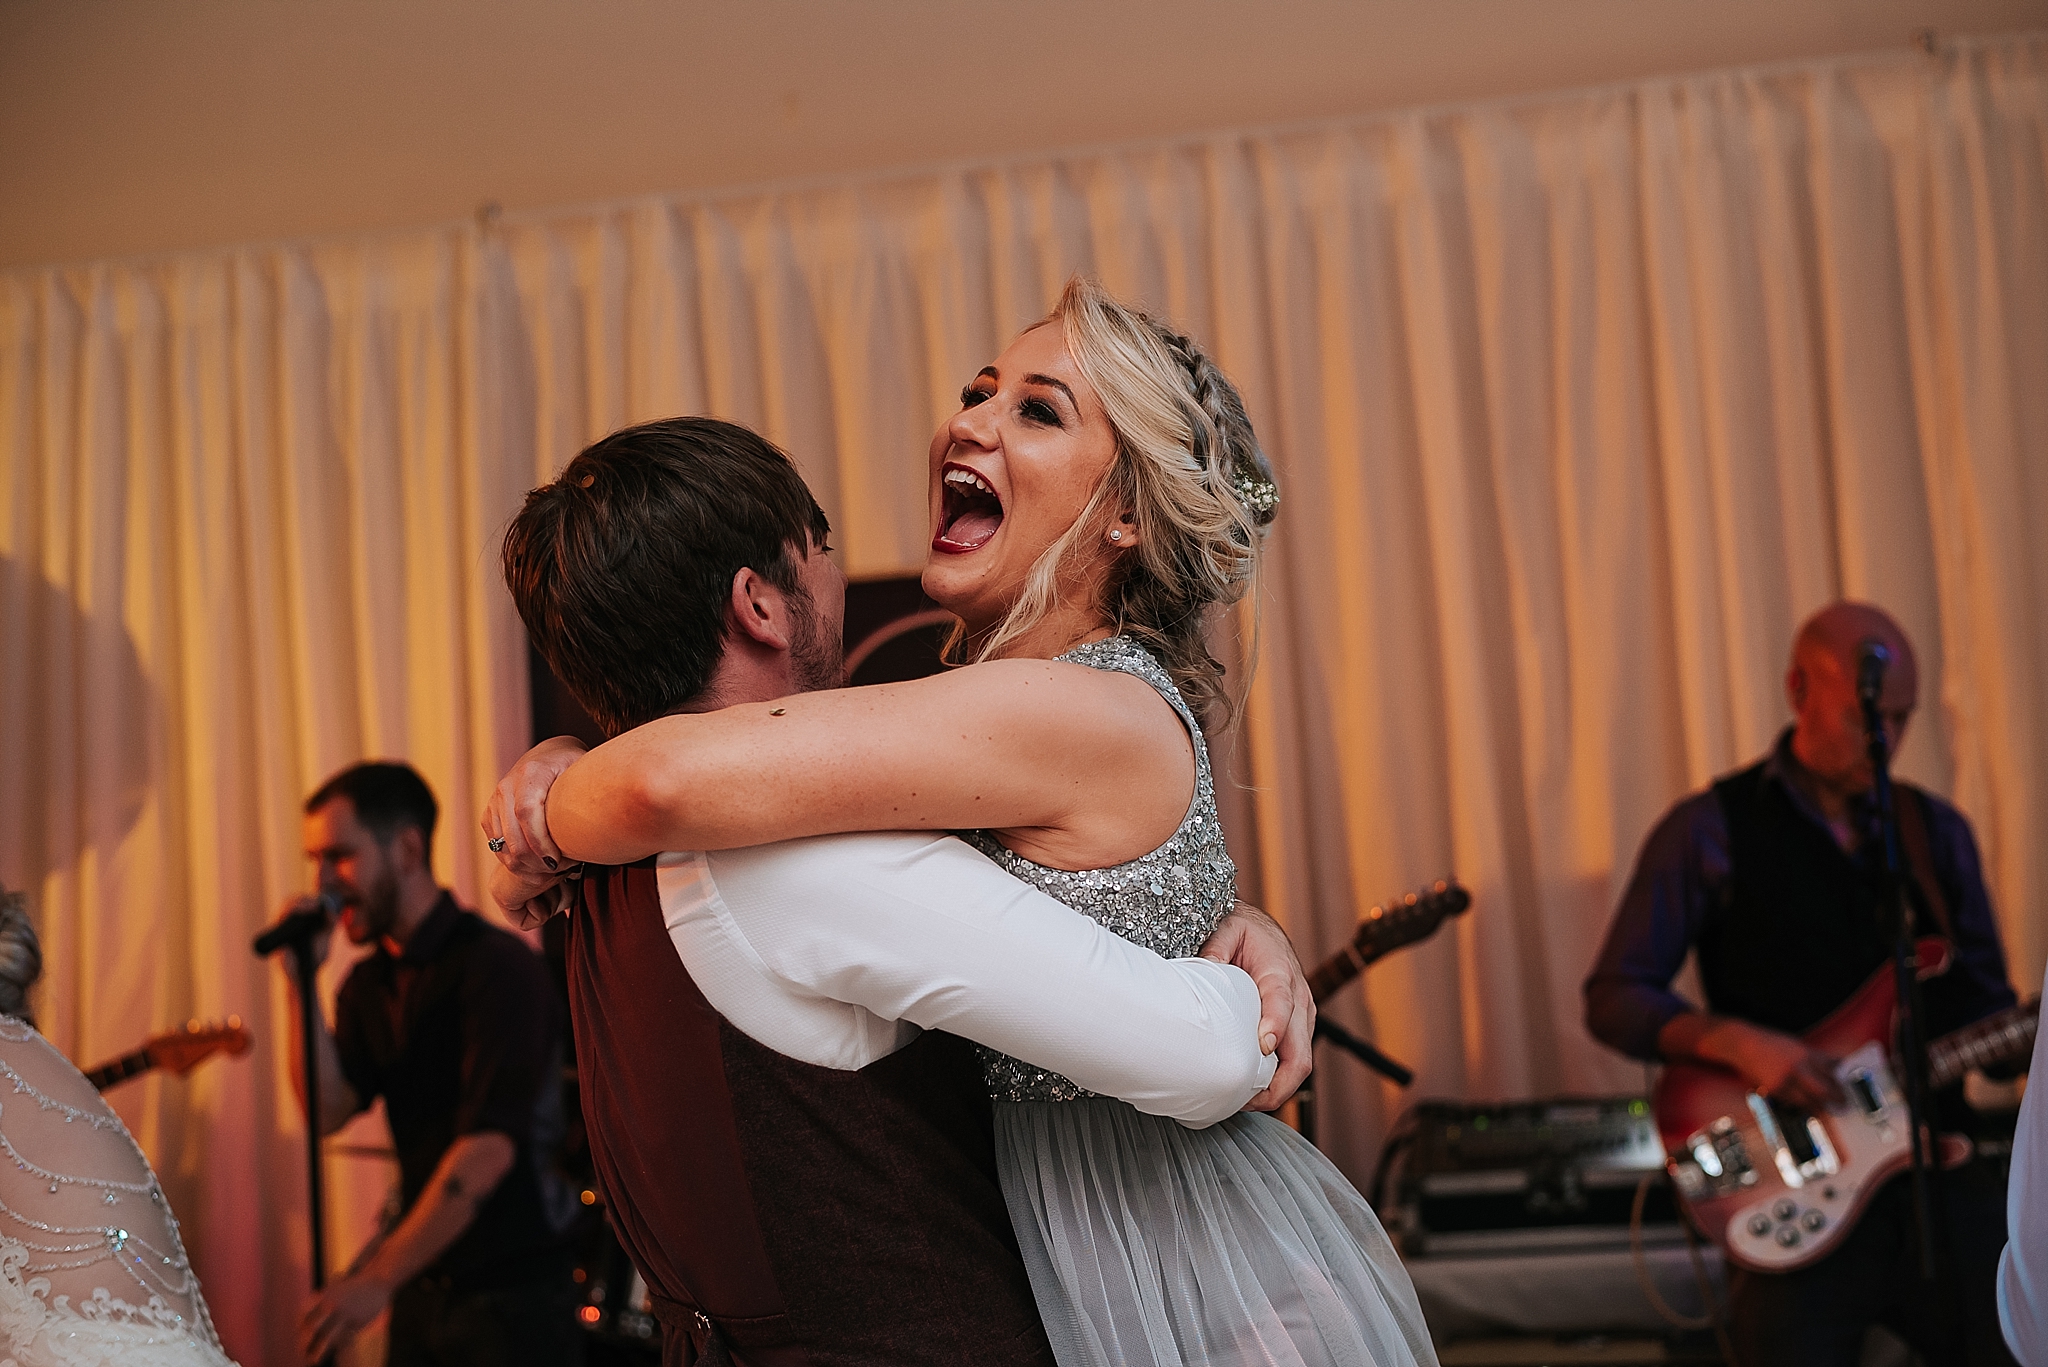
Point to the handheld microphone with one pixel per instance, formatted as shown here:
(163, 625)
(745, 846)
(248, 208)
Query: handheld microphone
(300, 926)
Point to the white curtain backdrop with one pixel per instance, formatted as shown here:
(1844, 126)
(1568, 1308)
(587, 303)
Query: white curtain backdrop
(1579, 404)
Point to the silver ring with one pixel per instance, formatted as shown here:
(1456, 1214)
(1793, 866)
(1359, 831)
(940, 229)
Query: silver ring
(496, 843)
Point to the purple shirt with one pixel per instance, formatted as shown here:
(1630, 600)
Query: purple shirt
(1683, 875)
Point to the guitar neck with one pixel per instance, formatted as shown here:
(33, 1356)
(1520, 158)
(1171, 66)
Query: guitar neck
(119, 1070)
(2000, 1039)
(1337, 970)
(1388, 927)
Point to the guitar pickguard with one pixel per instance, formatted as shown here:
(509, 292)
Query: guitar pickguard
(1849, 1151)
(1716, 1164)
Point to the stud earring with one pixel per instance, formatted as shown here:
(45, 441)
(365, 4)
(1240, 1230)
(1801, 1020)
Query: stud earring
(1116, 536)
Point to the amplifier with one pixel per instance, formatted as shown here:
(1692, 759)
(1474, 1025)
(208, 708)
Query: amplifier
(1542, 1175)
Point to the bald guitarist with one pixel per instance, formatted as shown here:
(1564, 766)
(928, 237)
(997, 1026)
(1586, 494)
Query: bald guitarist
(1770, 876)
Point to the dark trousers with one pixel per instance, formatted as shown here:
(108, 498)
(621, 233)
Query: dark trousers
(1816, 1317)
(434, 1325)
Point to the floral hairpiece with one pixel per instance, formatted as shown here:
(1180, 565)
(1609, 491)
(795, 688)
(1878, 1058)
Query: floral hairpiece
(1259, 495)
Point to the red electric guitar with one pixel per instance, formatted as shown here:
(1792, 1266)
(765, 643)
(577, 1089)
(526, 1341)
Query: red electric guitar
(179, 1051)
(1776, 1187)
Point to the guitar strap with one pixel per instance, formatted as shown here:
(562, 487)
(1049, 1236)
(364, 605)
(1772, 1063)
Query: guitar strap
(1919, 852)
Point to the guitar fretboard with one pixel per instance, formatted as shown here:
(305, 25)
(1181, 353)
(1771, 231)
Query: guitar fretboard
(120, 1070)
(1338, 970)
(1995, 1040)
(1385, 928)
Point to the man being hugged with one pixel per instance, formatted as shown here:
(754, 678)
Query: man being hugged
(786, 1114)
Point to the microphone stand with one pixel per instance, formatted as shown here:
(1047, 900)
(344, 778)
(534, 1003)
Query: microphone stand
(1364, 1052)
(1395, 1072)
(305, 969)
(296, 934)
(1905, 962)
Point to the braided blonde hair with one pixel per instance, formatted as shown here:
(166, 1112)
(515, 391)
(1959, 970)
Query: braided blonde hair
(21, 954)
(1189, 471)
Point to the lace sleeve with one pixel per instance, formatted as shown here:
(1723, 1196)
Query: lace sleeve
(91, 1266)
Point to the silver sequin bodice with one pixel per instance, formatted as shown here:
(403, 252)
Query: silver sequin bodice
(1168, 901)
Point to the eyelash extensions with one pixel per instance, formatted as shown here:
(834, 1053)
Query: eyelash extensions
(1036, 410)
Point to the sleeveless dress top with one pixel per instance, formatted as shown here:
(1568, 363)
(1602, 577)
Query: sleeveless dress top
(92, 1270)
(1153, 1245)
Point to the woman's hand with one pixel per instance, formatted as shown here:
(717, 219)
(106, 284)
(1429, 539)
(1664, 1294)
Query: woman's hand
(516, 820)
(528, 902)
(1254, 942)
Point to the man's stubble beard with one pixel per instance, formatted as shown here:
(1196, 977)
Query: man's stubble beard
(378, 907)
(817, 658)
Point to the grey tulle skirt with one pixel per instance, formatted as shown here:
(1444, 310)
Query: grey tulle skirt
(1150, 1244)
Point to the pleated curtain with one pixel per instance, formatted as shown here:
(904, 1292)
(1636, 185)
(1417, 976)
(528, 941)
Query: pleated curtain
(1579, 404)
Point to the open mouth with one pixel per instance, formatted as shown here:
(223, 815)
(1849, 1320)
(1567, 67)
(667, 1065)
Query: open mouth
(969, 511)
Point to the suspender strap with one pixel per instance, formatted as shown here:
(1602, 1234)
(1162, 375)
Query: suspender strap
(1919, 852)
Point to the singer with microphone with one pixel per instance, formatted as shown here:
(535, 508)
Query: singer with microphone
(1776, 877)
(452, 1021)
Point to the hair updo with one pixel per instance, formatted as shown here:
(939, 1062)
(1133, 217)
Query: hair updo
(21, 954)
(1189, 471)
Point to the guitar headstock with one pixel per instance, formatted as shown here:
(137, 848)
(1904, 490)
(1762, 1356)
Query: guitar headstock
(180, 1051)
(1408, 919)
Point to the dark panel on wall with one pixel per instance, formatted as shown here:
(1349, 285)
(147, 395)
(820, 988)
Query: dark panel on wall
(555, 713)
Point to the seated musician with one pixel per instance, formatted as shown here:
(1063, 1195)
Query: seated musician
(1770, 876)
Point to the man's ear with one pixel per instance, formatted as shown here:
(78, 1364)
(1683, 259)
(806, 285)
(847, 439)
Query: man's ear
(757, 611)
(409, 844)
(1795, 687)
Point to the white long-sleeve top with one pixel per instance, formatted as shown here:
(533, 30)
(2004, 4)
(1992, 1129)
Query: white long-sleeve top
(2023, 1267)
(838, 950)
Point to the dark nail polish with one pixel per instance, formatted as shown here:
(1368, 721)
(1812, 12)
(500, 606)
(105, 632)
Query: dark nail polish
(547, 861)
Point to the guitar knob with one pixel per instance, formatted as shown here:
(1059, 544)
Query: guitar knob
(1788, 1236)
(1760, 1225)
(1814, 1221)
(1785, 1208)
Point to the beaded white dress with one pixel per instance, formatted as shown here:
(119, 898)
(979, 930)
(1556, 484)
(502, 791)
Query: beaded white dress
(92, 1271)
(1153, 1245)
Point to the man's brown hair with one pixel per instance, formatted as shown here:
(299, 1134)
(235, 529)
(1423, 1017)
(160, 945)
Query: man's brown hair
(622, 567)
(387, 795)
